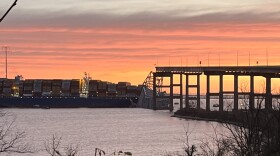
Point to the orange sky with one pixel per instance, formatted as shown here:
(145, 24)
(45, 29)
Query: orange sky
(124, 44)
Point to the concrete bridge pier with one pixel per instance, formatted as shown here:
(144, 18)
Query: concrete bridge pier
(198, 91)
(221, 94)
(171, 93)
(268, 95)
(235, 92)
(207, 92)
(187, 92)
(181, 91)
(252, 93)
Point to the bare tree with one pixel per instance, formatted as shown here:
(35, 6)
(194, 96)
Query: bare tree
(6, 13)
(53, 148)
(256, 132)
(189, 149)
(11, 140)
(100, 152)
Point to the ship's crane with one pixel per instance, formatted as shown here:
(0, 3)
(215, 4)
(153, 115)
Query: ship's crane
(85, 84)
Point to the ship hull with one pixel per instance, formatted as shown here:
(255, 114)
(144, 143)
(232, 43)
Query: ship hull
(69, 102)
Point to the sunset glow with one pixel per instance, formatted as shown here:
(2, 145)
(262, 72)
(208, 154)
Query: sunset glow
(124, 40)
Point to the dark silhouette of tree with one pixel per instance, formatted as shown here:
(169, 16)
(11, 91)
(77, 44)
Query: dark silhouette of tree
(14, 4)
(249, 132)
(11, 140)
(53, 148)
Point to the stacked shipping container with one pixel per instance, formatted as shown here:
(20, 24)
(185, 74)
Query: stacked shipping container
(112, 90)
(65, 88)
(37, 88)
(121, 88)
(46, 87)
(7, 87)
(93, 88)
(1, 86)
(131, 91)
(75, 88)
(102, 89)
(28, 88)
(56, 88)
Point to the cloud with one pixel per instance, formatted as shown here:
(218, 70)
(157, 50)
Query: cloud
(62, 38)
(141, 20)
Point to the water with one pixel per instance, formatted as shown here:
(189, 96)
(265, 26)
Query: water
(140, 131)
(229, 104)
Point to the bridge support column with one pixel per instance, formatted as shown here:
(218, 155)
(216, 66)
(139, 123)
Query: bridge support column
(154, 92)
(181, 91)
(198, 92)
(235, 107)
(268, 95)
(221, 94)
(187, 92)
(171, 93)
(252, 93)
(207, 92)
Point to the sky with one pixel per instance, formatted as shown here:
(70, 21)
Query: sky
(123, 40)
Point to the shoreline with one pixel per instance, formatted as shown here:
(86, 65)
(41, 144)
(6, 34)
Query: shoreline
(188, 117)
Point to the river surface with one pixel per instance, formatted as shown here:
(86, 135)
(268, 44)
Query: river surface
(140, 131)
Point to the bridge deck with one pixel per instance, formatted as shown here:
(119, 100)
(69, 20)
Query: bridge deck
(225, 70)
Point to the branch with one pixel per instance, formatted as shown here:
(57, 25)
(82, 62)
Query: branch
(14, 4)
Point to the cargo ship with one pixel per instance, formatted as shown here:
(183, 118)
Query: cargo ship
(60, 93)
